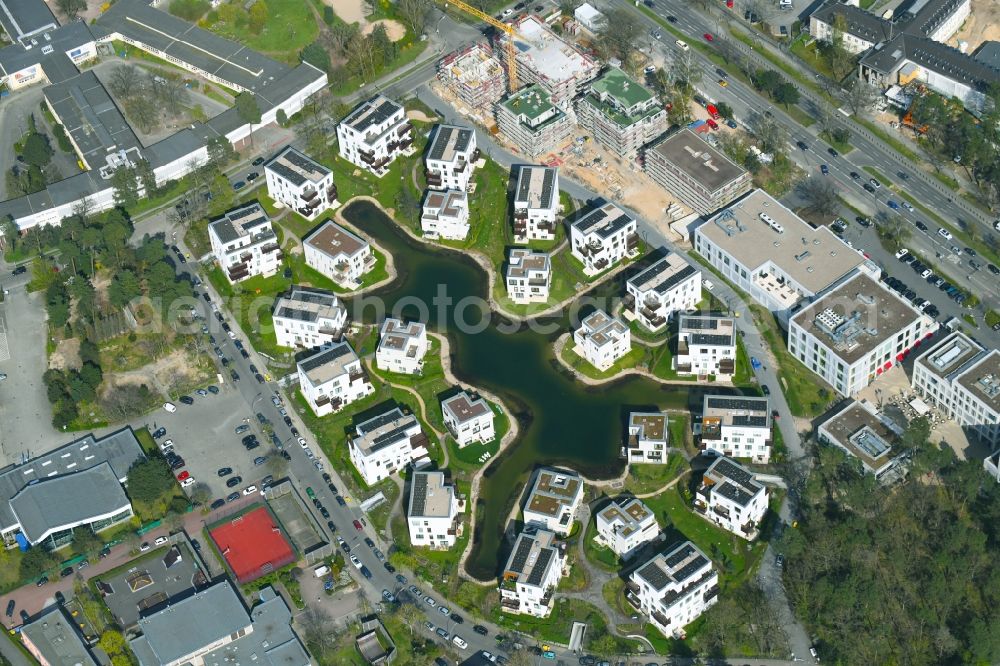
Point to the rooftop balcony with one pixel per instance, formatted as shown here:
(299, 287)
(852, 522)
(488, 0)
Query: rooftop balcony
(308, 194)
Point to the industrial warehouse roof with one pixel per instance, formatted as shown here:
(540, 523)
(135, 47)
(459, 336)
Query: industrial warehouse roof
(23, 18)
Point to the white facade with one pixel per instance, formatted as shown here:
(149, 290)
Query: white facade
(963, 380)
(532, 573)
(401, 347)
(590, 18)
(669, 285)
(333, 378)
(528, 276)
(738, 427)
(706, 346)
(554, 500)
(648, 438)
(855, 332)
(626, 526)
(468, 419)
(536, 203)
(387, 444)
(602, 339)
(308, 318)
(674, 588)
(300, 183)
(865, 434)
(451, 158)
(433, 511)
(374, 134)
(731, 497)
(445, 215)
(603, 237)
(338, 254)
(244, 243)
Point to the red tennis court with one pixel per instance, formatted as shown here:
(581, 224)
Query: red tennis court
(252, 544)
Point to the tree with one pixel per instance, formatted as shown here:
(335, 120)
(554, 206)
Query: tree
(258, 15)
(172, 94)
(248, 110)
(149, 480)
(35, 562)
(277, 466)
(220, 151)
(819, 196)
(71, 8)
(125, 81)
(37, 151)
(621, 32)
(316, 55)
(144, 110)
(786, 94)
(724, 110)
(771, 135)
(860, 96)
(112, 642)
(767, 80)
(201, 493)
(894, 230)
(126, 187)
(415, 13)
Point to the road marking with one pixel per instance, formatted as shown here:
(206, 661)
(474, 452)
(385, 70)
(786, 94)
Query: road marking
(4, 347)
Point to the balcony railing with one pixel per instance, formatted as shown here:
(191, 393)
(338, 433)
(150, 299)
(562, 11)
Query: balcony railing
(403, 129)
(309, 194)
(269, 248)
(601, 264)
(633, 242)
(661, 618)
(682, 348)
(367, 158)
(331, 192)
(727, 366)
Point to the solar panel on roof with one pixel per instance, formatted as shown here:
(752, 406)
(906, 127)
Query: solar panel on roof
(730, 470)
(288, 174)
(419, 493)
(747, 403)
(381, 420)
(463, 140)
(750, 421)
(296, 314)
(733, 493)
(710, 339)
(441, 141)
(690, 568)
(312, 297)
(675, 279)
(325, 357)
(523, 183)
(389, 438)
(697, 323)
(548, 179)
(520, 554)
(303, 161)
(679, 555)
(544, 556)
(654, 575)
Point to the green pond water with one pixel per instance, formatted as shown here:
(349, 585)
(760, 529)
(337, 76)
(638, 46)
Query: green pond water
(561, 420)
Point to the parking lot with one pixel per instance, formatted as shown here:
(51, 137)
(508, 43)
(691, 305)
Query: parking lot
(203, 434)
(149, 582)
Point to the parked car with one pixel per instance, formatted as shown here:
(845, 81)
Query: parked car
(234, 481)
(186, 399)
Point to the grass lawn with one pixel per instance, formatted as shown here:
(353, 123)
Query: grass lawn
(842, 147)
(645, 478)
(434, 566)
(466, 460)
(811, 56)
(601, 557)
(558, 625)
(614, 593)
(407, 53)
(577, 580)
(290, 26)
(431, 383)
(663, 364)
(638, 356)
(898, 145)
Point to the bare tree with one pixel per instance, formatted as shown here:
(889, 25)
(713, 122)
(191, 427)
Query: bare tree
(771, 135)
(860, 96)
(819, 196)
(892, 229)
(277, 466)
(415, 13)
(143, 111)
(125, 81)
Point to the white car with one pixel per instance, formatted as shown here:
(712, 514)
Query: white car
(355, 561)
(907, 206)
(170, 407)
(682, 45)
(944, 233)
(308, 452)
(925, 273)
(144, 547)
(430, 601)
(250, 490)
(902, 253)
(302, 442)
(460, 642)
(160, 541)
(708, 284)
(166, 444)
(187, 482)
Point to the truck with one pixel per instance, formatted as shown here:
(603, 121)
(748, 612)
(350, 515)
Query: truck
(712, 111)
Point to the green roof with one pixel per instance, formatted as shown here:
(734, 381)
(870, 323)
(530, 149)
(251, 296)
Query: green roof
(626, 91)
(531, 101)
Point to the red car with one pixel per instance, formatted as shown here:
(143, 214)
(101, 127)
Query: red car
(357, 525)
(708, 36)
(729, 4)
(711, 123)
(183, 475)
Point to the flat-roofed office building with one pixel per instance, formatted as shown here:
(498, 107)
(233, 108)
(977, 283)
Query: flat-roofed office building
(698, 175)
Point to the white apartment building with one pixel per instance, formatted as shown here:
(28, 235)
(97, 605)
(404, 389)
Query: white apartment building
(333, 378)
(648, 438)
(554, 500)
(732, 498)
(528, 276)
(669, 285)
(468, 419)
(338, 254)
(536, 203)
(433, 513)
(374, 134)
(308, 318)
(674, 588)
(451, 158)
(300, 183)
(445, 215)
(626, 526)
(532, 573)
(865, 434)
(855, 332)
(963, 380)
(737, 426)
(621, 113)
(401, 347)
(244, 243)
(603, 237)
(706, 346)
(386, 444)
(533, 123)
(602, 339)
(774, 255)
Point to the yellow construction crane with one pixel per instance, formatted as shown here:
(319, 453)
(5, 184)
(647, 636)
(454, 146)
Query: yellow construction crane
(499, 25)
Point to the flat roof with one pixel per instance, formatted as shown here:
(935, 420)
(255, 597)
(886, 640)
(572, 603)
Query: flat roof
(982, 379)
(309, 305)
(466, 408)
(672, 568)
(397, 336)
(372, 112)
(738, 411)
(950, 354)
(702, 163)
(334, 241)
(447, 203)
(524, 261)
(605, 220)
(328, 363)
(449, 142)
(857, 317)
(732, 480)
(602, 328)
(273, 640)
(228, 60)
(532, 102)
(430, 496)
(531, 558)
(652, 426)
(814, 258)
(545, 52)
(385, 430)
(25, 17)
(664, 274)
(536, 187)
(297, 167)
(55, 636)
(707, 330)
(858, 430)
(627, 516)
(552, 490)
(247, 220)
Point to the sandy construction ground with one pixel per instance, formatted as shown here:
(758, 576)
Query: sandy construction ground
(982, 25)
(394, 29)
(351, 11)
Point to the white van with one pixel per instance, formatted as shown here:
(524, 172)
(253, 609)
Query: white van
(460, 642)
(682, 45)
(321, 571)
(170, 407)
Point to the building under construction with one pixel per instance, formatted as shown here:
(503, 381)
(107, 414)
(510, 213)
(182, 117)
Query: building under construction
(544, 58)
(535, 125)
(473, 75)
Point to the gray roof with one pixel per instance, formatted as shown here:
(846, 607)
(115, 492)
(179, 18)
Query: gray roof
(55, 637)
(120, 450)
(988, 53)
(68, 500)
(184, 627)
(24, 17)
(857, 21)
(56, 65)
(272, 638)
(935, 56)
